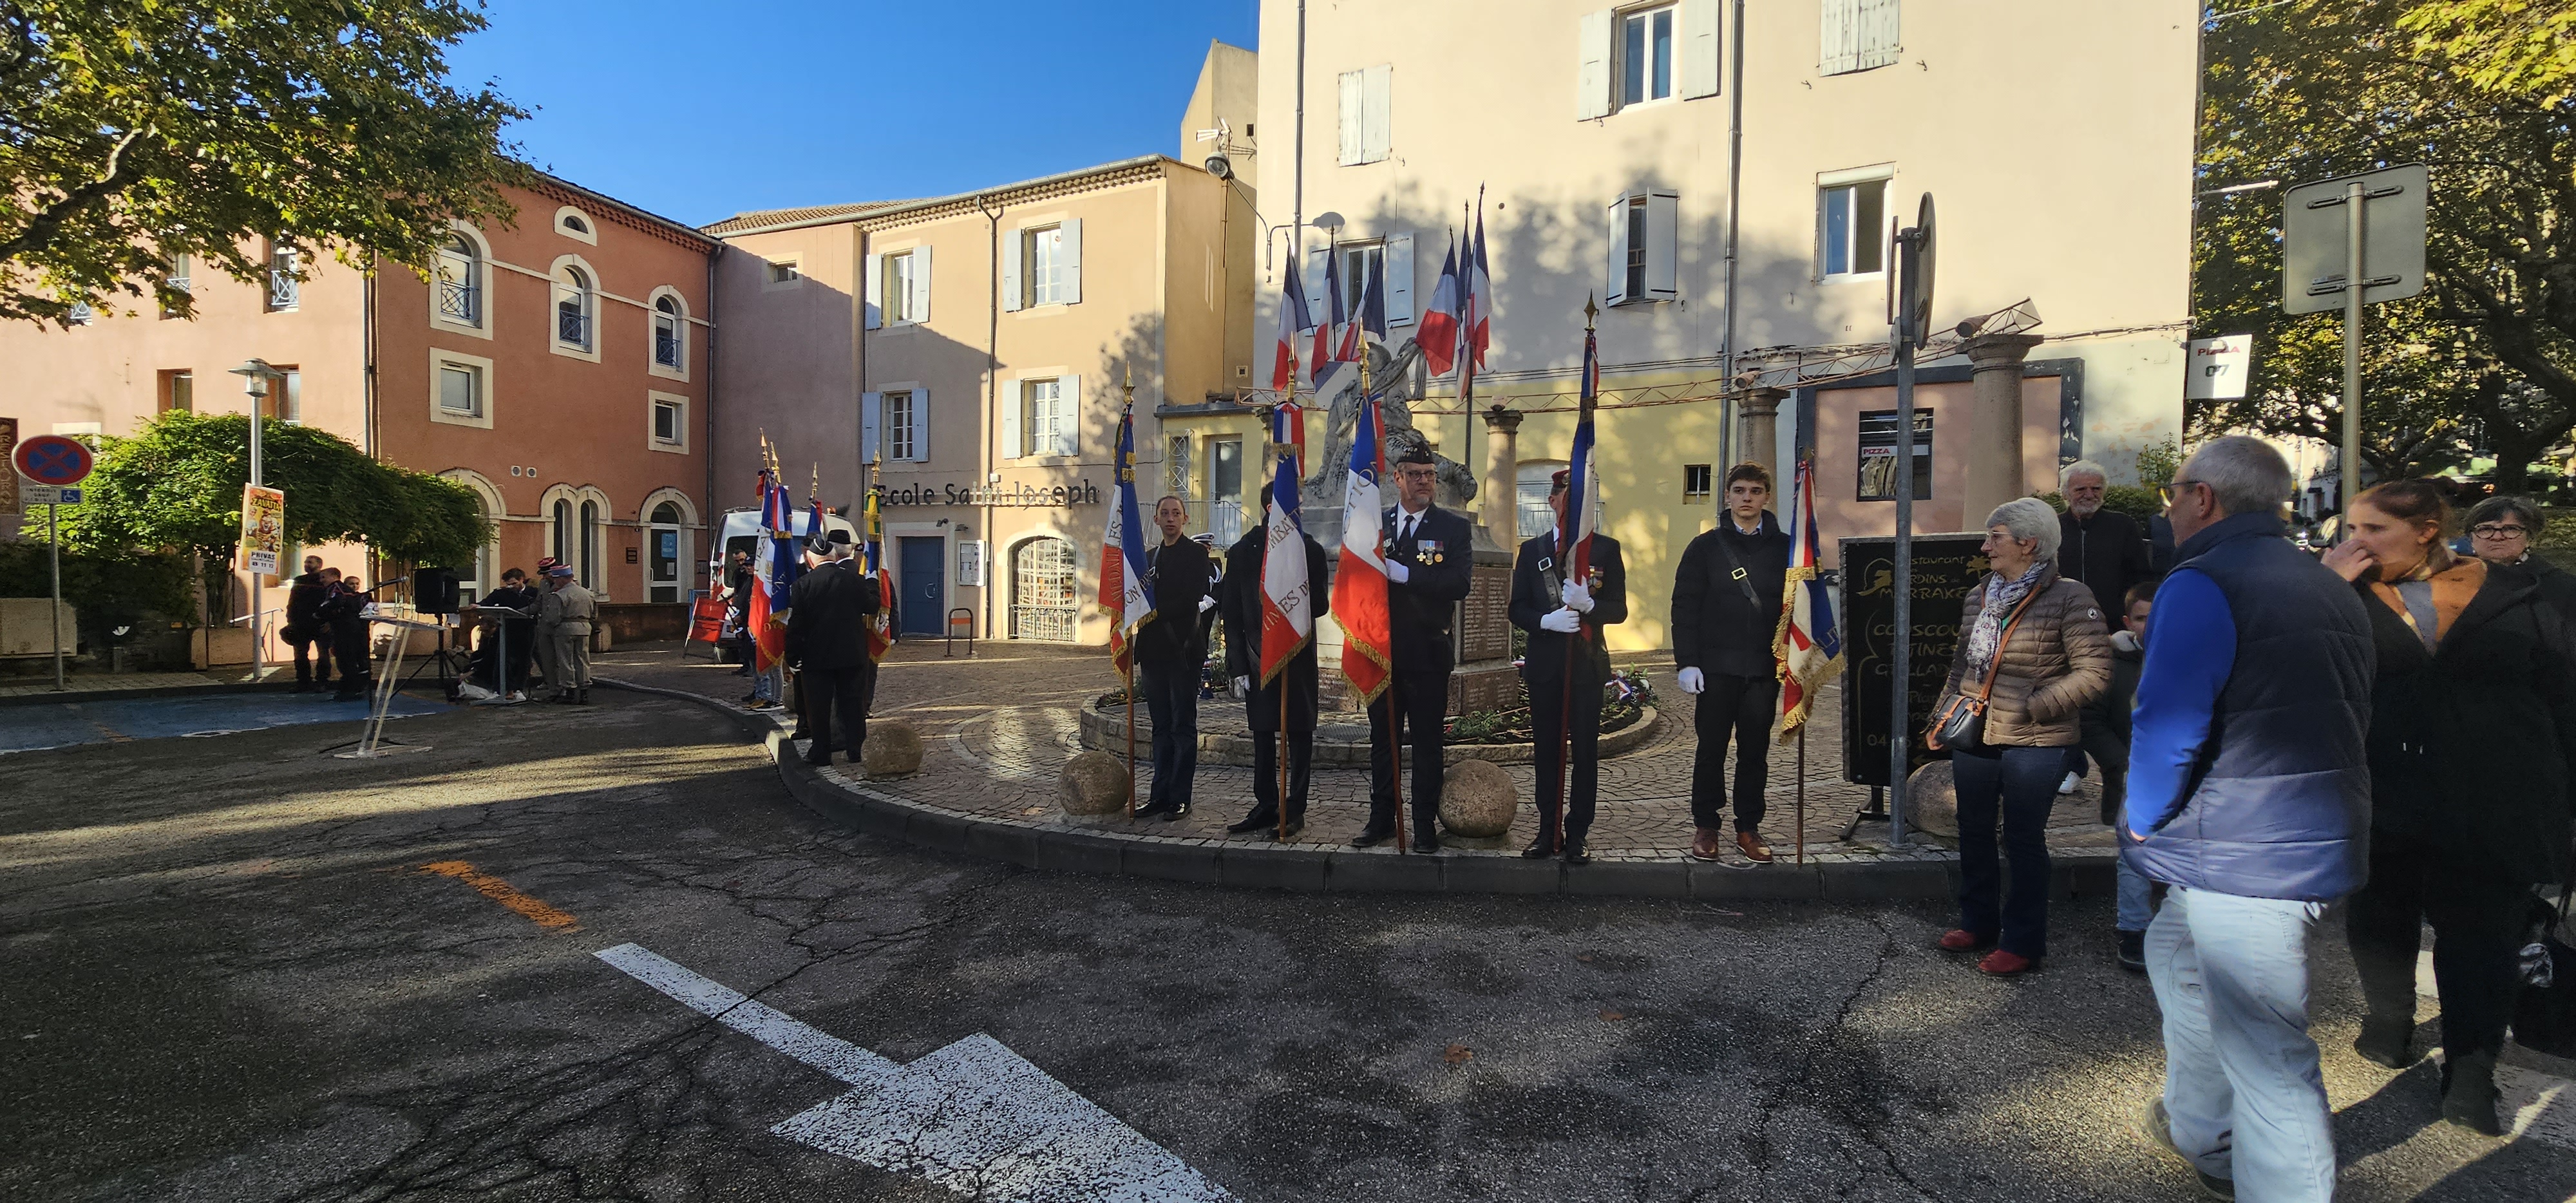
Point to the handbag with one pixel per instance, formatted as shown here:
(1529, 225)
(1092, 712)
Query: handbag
(1962, 723)
(2544, 1013)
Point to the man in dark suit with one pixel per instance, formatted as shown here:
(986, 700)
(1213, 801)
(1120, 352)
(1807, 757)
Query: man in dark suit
(2104, 549)
(1567, 665)
(828, 647)
(1429, 565)
(1727, 596)
(1262, 703)
(1170, 651)
(307, 635)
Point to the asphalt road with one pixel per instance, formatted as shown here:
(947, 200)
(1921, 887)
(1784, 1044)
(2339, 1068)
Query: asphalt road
(226, 974)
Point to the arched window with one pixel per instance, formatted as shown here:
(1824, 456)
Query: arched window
(562, 533)
(460, 281)
(588, 565)
(666, 552)
(576, 307)
(670, 332)
(1046, 597)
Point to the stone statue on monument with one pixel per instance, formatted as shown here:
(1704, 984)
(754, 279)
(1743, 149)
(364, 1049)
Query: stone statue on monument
(1328, 463)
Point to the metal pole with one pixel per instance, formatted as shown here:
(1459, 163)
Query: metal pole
(54, 553)
(1901, 680)
(1802, 793)
(258, 653)
(2352, 289)
(1734, 189)
(1131, 733)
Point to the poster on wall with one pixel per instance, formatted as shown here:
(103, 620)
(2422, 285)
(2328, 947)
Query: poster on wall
(263, 529)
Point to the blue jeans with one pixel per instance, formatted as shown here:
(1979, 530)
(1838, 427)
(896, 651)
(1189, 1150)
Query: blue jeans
(2136, 894)
(2241, 1084)
(2021, 785)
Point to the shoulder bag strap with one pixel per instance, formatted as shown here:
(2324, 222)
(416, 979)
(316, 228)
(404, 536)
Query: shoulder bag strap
(1996, 669)
(1735, 569)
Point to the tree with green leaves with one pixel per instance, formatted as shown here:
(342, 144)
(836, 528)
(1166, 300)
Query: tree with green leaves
(2524, 48)
(2317, 88)
(177, 484)
(136, 131)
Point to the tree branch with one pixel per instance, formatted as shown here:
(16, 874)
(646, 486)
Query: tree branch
(40, 228)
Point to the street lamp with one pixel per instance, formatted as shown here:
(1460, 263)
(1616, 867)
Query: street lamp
(255, 375)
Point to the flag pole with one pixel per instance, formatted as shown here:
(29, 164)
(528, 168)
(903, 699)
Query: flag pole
(1126, 469)
(1564, 555)
(1802, 793)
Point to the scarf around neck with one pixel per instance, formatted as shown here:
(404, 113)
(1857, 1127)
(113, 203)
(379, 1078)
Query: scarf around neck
(2002, 598)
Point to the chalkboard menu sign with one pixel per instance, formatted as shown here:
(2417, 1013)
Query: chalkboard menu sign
(1946, 567)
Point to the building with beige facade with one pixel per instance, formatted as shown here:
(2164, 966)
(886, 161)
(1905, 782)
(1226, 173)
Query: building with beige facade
(558, 365)
(2056, 137)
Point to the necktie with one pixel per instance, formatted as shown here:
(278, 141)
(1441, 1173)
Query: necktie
(1405, 540)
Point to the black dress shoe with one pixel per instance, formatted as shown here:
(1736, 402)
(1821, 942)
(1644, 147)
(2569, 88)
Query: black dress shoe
(821, 761)
(1373, 837)
(1251, 822)
(1574, 854)
(1289, 835)
(1539, 851)
(1177, 812)
(1426, 842)
(1150, 809)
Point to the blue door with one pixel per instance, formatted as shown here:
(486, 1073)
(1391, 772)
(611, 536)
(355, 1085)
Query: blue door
(922, 575)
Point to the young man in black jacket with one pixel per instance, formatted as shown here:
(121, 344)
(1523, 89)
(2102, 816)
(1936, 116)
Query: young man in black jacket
(1567, 664)
(311, 641)
(1727, 598)
(1170, 651)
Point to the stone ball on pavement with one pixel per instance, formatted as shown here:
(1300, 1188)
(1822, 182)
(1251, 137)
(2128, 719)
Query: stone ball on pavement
(1477, 800)
(893, 748)
(1094, 783)
(1932, 801)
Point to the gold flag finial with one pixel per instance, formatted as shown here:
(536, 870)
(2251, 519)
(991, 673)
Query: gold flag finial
(1590, 311)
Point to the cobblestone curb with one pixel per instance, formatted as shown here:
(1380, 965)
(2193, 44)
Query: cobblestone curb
(1108, 733)
(1054, 844)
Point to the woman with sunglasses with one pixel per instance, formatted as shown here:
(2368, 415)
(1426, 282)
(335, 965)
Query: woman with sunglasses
(2502, 531)
(2472, 751)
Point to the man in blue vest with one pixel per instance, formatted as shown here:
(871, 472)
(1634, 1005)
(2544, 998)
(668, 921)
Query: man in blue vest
(2249, 794)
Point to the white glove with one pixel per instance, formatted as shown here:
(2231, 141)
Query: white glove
(1576, 597)
(1562, 621)
(1397, 572)
(1206, 604)
(1690, 680)
(1243, 687)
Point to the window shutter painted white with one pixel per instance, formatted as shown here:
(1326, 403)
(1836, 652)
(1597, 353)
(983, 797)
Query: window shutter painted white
(920, 426)
(1399, 279)
(1069, 253)
(1616, 289)
(1011, 272)
(1006, 397)
(1663, 250)
(1876, 42)
(1837, 37)
(1592, 65)
(871, 427)
(1068, 415)
(875, 272)
(917, 304)
(1354, 94)
(1702, 65)
(1377, 130)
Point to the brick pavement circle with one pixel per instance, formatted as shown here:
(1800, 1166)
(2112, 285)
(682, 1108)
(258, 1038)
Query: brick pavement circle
(998, 727)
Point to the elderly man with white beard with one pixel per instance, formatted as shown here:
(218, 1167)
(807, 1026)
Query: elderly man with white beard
(2104, 549)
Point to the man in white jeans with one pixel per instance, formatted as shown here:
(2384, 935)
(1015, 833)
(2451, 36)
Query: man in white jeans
(2249, 794)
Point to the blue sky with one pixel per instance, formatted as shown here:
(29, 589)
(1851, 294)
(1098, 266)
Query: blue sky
(697, 112)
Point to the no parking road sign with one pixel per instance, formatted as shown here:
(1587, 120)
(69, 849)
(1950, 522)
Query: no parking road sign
(53, 467)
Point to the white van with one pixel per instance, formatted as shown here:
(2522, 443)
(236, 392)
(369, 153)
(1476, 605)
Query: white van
(740, 531)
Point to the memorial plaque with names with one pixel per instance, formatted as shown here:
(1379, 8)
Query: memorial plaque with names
(1946, 567)
(1484, 628)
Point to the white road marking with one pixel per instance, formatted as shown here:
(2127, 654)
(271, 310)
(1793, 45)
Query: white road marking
(974, 1116)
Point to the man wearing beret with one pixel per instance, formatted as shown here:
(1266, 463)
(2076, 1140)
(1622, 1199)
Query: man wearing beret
(1567, 665)
(827, 645)
(1429, 565)
(572, 609)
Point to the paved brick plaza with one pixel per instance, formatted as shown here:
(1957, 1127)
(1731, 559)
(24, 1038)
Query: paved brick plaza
(997, 727)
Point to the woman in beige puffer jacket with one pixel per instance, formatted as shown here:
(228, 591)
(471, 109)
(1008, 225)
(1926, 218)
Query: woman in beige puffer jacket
(2046, 666)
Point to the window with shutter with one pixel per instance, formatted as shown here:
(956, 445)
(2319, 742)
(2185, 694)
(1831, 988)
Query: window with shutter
(871, 427)
(1875, 43)
(1701, 38)
(1354, 117)
(1663, 246)
(1646, 55)
(1367, 131)
(872, 291)
(1592, 65)
(1069, 254)
(1851, 220)
(1399, 279)
(1837, 37)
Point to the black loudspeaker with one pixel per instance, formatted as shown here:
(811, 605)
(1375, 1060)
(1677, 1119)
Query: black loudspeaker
(433, 591)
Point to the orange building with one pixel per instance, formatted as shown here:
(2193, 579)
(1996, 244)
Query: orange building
(560, 366)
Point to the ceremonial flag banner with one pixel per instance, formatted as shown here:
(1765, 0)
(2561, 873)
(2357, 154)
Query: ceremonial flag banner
(1328, 322)
(1356, 333)
(1438, 329)
(1372, 321)
(1293, 321)
(1582, 487)
(1808, 647)
(1479, 331)
(769, 602)
(881, 634)
(1359, 586)
(1287, 597)
(1124, 591)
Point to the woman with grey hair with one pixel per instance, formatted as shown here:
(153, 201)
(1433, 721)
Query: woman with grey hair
(2032, 652)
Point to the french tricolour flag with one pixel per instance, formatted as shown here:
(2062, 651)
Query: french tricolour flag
(1124, 591)
(1582, 488)
(1479, 301)
(1287, 597)
(1328, 322)
(1293, 321)
(1359, 585)
(1810, 648)
(1438, 331)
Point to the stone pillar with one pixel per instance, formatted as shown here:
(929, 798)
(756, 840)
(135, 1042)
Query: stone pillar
(1757, 429)
(1498, 508)
(1994, 425)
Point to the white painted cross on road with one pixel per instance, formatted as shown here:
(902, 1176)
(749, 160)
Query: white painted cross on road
(974, 1116)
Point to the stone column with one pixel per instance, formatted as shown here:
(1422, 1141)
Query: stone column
(1498, 506)
(1757, 429)
(1994, 425)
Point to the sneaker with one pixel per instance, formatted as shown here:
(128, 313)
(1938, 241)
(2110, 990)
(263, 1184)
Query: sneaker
(2159, 1129)
(2133, 951)
(2067, 786)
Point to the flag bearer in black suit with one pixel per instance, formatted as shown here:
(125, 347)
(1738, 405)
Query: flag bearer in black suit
(1241, 606)
(1565, 669)
(827, 645)
(1170, 652)
(1429, 565)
